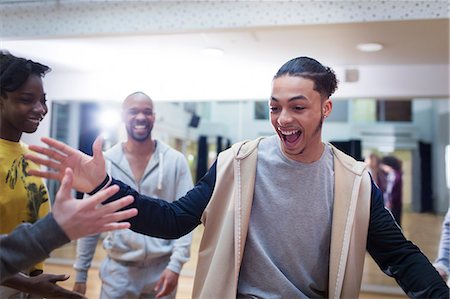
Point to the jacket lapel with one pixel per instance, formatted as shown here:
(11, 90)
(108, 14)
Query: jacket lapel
(245, 174)
(347, 183)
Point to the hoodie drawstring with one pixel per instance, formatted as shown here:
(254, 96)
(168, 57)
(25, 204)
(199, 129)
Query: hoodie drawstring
(160, 171)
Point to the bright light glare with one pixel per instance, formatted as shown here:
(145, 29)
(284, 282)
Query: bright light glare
(369, 47)
(109, 119)
(212, 52)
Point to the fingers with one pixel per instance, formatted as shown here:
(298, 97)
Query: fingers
(116, 205)
(112, 221)
(49, 152)
(97, 147)
(103, 195)
(114, 226)
(58, 277)
(158, 286)
(119, 216)
(60, 146)
(164, 290)
(41, 161)
(66, 185)
(45, 174)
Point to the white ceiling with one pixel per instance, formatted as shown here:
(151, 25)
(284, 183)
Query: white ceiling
(169, 65)
(405, 42)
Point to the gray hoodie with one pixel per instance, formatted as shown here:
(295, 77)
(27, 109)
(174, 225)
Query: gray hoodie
(167, 176)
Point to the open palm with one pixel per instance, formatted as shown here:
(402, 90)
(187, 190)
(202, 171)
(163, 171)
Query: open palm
(89, 172)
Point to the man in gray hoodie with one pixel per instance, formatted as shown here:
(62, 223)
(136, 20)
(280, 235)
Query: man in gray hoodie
(137, 265)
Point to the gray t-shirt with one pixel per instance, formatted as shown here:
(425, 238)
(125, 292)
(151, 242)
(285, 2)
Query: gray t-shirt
(287, 249)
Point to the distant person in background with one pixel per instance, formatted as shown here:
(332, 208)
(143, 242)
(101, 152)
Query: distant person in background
(394, 185)
(139, 266)
(378, 175)
(442, 263)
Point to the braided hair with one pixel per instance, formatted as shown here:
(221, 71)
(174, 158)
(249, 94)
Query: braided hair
(14, 71)
(324, 78)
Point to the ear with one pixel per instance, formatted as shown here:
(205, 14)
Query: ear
(327, 106)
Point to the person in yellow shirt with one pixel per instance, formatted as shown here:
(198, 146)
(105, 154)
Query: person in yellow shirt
(23, 198)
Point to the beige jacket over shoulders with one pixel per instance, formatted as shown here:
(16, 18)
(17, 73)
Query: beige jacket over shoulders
(227, 216)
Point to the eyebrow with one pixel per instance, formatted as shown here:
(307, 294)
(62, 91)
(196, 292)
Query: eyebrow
(27, 93)
(300, 97)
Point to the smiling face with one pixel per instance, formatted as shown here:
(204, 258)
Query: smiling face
(138, 116)
(23, 109)
(297, 112)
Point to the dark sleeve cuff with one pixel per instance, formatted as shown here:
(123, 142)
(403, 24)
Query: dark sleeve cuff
(106, 182)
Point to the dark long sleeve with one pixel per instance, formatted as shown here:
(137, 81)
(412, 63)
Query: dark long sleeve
(169, 220)
(29, 244)
(400, 258)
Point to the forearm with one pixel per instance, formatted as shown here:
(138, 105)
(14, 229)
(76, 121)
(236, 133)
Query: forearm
(29, 244)
(85, 252)
(443, 259)
(400, 258)
(161, 219)
(181, 253)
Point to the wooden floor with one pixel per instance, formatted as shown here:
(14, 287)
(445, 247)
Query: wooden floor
(422, 229)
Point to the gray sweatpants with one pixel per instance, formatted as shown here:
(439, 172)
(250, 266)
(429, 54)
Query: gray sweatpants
(121, 281)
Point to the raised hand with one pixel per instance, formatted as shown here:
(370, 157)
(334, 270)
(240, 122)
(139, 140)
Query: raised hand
(166, 283)
(79, 218)
(89, 172)
(79, 287)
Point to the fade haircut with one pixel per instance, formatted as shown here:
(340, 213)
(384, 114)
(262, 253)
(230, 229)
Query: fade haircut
(324, 78)
(14, 71)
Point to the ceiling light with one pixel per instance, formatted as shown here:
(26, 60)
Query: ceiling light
(212, 52)
(369, 47)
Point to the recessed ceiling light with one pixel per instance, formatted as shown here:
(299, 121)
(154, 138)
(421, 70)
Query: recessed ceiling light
(212, 52)
(369, 47)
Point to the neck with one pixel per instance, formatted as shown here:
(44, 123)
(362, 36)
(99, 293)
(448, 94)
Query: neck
(8, 135)
(140, 148)
(315, 155)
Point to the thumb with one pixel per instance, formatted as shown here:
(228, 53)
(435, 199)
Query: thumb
(159, 283)
(97, 148)
(59, 277)
(66, 184)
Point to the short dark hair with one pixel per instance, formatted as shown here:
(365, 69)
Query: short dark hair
(324, 78)
(14, 71)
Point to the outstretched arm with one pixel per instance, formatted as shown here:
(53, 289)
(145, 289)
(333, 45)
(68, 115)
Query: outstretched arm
(156, 217)
(400, 258)
(89, 171)
(161, 219)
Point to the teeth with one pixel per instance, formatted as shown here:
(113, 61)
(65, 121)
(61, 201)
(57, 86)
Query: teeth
(139, 127)
(288, 132)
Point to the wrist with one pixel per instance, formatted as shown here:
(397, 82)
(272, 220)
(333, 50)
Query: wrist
(105, 183)
(81, 276)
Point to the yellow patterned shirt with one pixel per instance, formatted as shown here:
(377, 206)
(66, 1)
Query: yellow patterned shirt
(23, 198)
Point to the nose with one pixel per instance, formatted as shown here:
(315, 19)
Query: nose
(140, 115)
(40, 108)
(284, 118)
